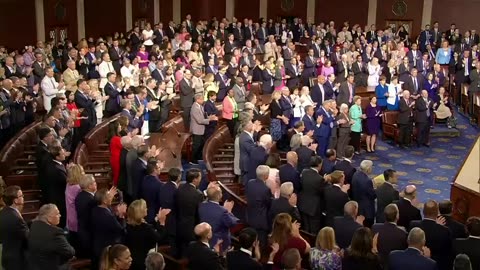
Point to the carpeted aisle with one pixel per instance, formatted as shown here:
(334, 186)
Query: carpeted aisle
(430, 169)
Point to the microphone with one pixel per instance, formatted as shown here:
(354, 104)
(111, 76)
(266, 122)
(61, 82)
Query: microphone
(171, 152)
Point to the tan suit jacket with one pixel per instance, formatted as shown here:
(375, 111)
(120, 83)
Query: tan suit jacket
(70, 78)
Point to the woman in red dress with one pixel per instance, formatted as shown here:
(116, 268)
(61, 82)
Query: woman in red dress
(115, 149)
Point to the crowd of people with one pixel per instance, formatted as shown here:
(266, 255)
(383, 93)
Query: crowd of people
(311, 72)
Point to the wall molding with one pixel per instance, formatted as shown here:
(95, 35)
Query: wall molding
(128, 15)
(81, 19)
(40, 20)
(372, 12)
(426, 13)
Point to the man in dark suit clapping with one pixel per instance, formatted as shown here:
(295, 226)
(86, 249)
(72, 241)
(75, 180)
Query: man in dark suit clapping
(56, 175)
(286, 203)
(14, 230)
(457, 229)
(84, 203)
(288, 172)
(405, 119)
(363, 192)
(423, 106)
(407, 210)
(199, 253)
(336, 196)
(416, 256)
(386, 193)
(346, 225)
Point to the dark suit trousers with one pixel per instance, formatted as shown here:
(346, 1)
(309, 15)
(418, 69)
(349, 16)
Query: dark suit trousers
(355, 140)
(322, 145)
(154, 126)
(423, 129)
(311, 224)
(197, 147)
(405, 133)
(186, 117)
(231, 126)
(332, 144)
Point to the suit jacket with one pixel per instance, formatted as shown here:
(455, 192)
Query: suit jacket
(407, 213)
(311, 197)
(410, 258)
(167, 201)
(239, 260)
(151, 235)
(409, 85)
(344, 94)
(13, 238)
(439, 240)
(267, 81)
(139, 171)
(257, 157)
(187, 199)
(335, 199)
(364, 194)
(106, 229)
(330, 90)
(457, 229)
(221, 221)
(386, 194)
(186, 94)
(82, 101)
(344, 227)
(341, 71)
(309, 68)
(318, 95)
(48, 246)
(240, 96)
(328, 122)
(201, 257)
(133, 122)
(346, 167)
(390, 237)
(84, 203)
(405, 114)
(471, 247)
(38, 72)
(151, 188)
(288, 173)
(294, 74)
(198, 120)
(247, 144)
(422, 108)
(154, 114)
(304, 154)
(56, 176)
(113, 103)
(282, 205)
(259, 199)
(158, 75)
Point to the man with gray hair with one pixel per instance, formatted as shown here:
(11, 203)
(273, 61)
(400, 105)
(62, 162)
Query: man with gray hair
(259, 155)
(416, 256)
(84, 202)
(259, 198)
(240, 93)
(323, 130)
(363, 192)
(154, 261)
(286, 203)
(197, 126)
(347, 225)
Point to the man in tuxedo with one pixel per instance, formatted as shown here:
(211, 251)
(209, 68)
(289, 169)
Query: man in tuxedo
(470, 245)
(346, 91)
(286, 203)
(424, 108)
(416, 256)
(360, 72)
(187, 200)
(186, 96)
(288, 172)
(386, 193)
(84, 203)
(345, 165)
(259, 199)
(439, 239)
(219, 217)
(346, 225)
(405, 119)
(259, 155)
(457, 229)
(390, 236)
(311, 197)
(407, 210)
(14, 230)
(336, 196)
(363, 192)
(197, 126)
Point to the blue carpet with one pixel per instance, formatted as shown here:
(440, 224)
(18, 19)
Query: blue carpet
(432, 169)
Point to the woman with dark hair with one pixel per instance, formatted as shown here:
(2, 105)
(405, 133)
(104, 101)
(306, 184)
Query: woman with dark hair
(374, 120)
(362, 253)
(116, 257)
(142, 56)
(114, 141)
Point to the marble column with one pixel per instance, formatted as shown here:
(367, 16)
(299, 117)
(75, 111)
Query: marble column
(40, 20)
(372, 12)
(427, 12)
(81, 19)
(128, 15)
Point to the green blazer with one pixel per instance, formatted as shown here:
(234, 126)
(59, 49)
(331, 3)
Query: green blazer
(356, 115)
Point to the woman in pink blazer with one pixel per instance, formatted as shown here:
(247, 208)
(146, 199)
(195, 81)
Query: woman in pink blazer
(230, 111)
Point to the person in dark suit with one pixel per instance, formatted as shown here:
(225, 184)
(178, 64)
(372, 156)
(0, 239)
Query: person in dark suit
(405, 119)
(329, 162)
(318, 92)
(199, 253)
(268, 78)
(219, 217)
(112, 105)
(247, 145)
(439, 238)
(259, 199)
(457, 229)
(347, 224)
(14, 230)
(305, 153)
(346, 91)
(286, 203)
(158, 73)
(309, 67)
(116, 55)
(167, 201)
(242, 259)
(336, 196)
(224, 83)
(407, 210)
(360, 73)
(311, 197)
(134, 121)
(42, 156)
(259, 155)
(47, 245)
(345, 165)
(390, 236)
(186, 202)
(386, 193)
(210, 109)
(139, 170)
(416, 256)
(84, 203)
(324, 130)
(151, 187)
(288, 172)
(363, 192)
(56, 175)
(186, 96)
(38, 68)
(107, 227)
(293, 71)
(424, 110)
(83, 101)
(154, 112)
(308, 119)
(470, 245)
(414, 83)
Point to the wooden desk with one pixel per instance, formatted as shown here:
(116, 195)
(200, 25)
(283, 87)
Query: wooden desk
(170, 144)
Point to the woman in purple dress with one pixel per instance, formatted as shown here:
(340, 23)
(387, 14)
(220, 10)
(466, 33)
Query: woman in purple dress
(374, 116)
(142, 57)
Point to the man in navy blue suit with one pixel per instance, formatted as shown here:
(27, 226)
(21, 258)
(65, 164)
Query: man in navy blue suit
(219, 217)
(259, 155)
(112, 105)
(247, 145)
(134, 122)
(318, 92)
(288, 172)
(324, 130)
(363, 192)
(139, 171)
(308, 119)
(259, 199)
(210, 109)
(151, 189)
(416, 256)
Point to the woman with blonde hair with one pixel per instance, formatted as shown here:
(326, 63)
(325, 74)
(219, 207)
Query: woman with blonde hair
(280, 80)
(74, 173)
(209, 84)
(374, 72)
(137, 229)
(96, 94)
(287, 235)
(325, 256)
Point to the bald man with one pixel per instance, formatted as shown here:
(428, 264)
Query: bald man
(200, 254)
(289, 173)
(407, 211)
